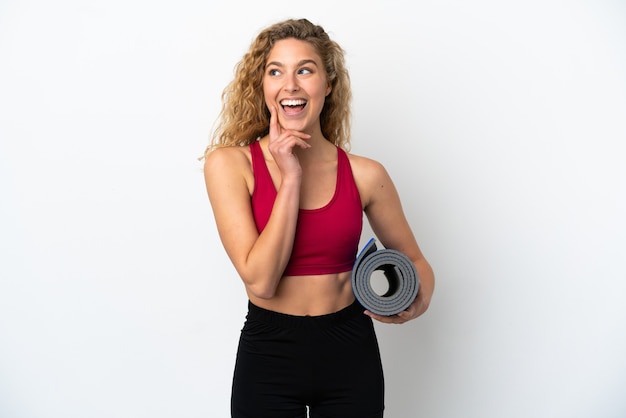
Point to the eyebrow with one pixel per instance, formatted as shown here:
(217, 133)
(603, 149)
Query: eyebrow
(300, 63)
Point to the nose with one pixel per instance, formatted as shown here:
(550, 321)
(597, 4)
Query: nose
(291, 84)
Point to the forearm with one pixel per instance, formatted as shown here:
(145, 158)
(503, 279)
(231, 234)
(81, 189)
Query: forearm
(427, 285)
(270, 253)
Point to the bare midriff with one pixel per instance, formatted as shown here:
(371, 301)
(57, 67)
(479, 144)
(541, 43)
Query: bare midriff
(310, 295)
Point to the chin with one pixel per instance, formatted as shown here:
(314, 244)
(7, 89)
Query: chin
(294, 125)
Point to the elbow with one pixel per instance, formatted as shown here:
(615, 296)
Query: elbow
(261, 290)
(262, 294)
(260, 284)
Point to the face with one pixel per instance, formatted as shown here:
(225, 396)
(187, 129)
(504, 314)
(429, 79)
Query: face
(295, 83)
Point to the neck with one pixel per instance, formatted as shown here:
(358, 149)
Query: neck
(321, 148)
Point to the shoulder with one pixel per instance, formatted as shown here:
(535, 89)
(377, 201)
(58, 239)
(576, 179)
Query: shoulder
(228, 164)
(231, 156)
(366, 169)
(371, 178)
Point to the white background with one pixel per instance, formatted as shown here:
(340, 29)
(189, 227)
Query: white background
(502, 124)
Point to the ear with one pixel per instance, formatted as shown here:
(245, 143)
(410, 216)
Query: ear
(328, 89)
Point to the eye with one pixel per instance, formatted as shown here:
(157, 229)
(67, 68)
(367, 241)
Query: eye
(305, 71)
(273, 72)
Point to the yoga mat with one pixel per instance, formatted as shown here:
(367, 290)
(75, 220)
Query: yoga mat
(399, 271)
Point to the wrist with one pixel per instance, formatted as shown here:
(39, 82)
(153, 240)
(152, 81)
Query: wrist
(291, 181)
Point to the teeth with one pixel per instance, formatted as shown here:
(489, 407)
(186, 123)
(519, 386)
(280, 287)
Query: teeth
(293, 102)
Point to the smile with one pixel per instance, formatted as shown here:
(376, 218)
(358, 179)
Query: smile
(293, 103)
(293, 107)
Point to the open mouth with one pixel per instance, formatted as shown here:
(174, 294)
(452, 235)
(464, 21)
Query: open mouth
(293, 106)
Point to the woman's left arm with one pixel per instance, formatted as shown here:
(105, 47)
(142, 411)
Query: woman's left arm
(383, 208)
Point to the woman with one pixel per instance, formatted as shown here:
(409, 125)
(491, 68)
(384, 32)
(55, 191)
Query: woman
(288, 202)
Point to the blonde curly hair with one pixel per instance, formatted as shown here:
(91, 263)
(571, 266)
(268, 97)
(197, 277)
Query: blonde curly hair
(244, 116)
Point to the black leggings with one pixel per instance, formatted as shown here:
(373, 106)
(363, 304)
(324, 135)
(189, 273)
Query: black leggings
(330, 363)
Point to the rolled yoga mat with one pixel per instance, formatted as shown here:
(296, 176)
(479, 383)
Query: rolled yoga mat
(399, 271)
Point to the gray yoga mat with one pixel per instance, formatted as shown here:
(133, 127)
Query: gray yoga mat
(399, 271)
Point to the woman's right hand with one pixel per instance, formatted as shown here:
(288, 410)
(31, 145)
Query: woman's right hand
(282, 143)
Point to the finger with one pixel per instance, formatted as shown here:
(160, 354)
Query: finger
(393, 319)
(299, 136)
(404, 317)
(408, 313)
(274, 127)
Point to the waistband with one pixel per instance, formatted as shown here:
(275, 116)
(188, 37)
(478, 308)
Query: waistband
(296, 321)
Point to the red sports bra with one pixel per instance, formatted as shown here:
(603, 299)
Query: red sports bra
(327, 238)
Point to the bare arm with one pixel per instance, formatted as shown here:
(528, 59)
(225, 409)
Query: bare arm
(260, 259)
(386, 217)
